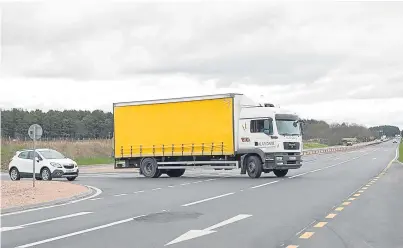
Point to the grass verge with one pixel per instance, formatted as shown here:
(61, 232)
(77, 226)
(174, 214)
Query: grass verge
(92, 161)
(401, 152)
(314, 145)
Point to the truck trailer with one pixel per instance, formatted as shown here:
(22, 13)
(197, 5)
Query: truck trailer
(225, 131)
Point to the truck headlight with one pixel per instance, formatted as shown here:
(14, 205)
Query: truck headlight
(279, 158)
(57, 165)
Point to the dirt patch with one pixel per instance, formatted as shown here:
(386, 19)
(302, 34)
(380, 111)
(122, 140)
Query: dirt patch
(21, 193)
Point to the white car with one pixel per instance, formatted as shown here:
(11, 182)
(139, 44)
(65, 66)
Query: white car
(49, 164)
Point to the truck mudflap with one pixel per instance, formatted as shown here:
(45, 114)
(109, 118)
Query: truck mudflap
(282, 161)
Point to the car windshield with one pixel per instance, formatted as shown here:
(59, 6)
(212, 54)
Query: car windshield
(288, 127)
(52, 154)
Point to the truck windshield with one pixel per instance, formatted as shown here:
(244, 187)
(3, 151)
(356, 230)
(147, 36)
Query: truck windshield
(288, 127)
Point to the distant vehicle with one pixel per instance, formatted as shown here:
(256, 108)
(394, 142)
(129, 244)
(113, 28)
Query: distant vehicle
(349, 143)
(227, 131)
(49, 164)
(395, 141)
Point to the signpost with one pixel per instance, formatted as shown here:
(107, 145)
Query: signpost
(35, 133)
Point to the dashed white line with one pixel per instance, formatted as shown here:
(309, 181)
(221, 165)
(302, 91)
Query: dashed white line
(3, 229)
(156, 189)
(96, 199)
(183, 184)
(171, 186)
(212, 179)
(208, 199)
(197, 182)
(80, 232)
(261, 185)
(137, 192)
(120, 195)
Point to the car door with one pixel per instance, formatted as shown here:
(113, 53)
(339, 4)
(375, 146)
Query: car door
(22, 164)
(30, 165)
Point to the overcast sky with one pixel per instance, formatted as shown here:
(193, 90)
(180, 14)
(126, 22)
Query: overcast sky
(337, 61)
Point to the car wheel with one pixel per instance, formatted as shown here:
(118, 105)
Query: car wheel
(71, 178)
(15, 174)
(46, 175)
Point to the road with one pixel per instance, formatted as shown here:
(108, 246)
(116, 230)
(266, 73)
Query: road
(343, 199)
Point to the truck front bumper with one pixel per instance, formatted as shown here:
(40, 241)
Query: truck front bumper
(282, 161)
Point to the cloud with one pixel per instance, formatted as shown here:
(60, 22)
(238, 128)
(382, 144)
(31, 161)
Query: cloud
(296, 54)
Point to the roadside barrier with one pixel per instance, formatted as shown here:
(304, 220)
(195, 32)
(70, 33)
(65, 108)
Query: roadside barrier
(338, 148)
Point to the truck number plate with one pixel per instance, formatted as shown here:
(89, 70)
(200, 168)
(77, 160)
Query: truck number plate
(292, 158)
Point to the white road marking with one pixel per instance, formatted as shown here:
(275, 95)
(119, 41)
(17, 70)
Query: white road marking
(212, 179)
(197, 182)
(80, 232)
(198, 233)
(261, 185)
(98, 192)
(4, 229)
(116, 195)
(208, 199)
(96, 199)
(137, 192)
(374, 158)
(156, 189)
(183, 184)
(324, 168)
(171, 186)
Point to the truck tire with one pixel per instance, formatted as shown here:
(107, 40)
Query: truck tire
(176, 173)
(149, 168)
(254, 166)
(280, 173)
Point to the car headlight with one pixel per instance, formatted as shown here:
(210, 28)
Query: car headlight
(57, 165)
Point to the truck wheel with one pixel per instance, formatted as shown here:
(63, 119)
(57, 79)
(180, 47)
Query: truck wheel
(176, 173)
(280, 173)
(149, 167)
(254, 166)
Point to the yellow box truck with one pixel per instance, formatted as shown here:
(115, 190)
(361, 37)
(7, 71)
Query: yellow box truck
(168, 136)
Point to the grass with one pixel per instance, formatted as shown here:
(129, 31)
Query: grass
(401, 152)
(314, 145)
(86, 151)
(96, 160)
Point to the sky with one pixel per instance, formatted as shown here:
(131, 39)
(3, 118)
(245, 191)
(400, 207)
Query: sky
(336, 61)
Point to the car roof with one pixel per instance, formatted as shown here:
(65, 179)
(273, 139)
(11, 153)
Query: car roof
(38, 150)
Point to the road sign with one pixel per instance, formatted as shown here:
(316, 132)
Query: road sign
(35, 132)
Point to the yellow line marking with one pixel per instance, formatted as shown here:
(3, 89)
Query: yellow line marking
(361, 191)
(339, 209)
(321, 224)
(346, 203)
(292, 246)
(351, 199)
(357, 195)
(306, 235)
(331, 216)
(362, 187)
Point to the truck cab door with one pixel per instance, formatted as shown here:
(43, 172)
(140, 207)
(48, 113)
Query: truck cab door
(261, 132)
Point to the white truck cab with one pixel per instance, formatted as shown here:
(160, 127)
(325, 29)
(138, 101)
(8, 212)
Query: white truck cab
(274, 134)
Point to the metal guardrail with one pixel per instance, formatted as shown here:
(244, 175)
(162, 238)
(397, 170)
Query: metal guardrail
(338, 148)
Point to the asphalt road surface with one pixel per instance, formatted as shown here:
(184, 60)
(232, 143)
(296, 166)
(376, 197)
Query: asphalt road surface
(344, 199)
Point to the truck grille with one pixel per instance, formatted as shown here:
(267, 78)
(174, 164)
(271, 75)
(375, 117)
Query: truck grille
(291, 145)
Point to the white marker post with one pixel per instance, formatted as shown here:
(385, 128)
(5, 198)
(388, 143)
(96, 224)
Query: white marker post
(34, 132)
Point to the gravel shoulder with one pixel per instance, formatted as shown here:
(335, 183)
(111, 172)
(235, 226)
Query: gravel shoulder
(16, 194)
